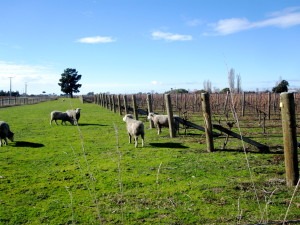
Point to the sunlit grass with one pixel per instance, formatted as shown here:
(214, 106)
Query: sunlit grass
(90, 174)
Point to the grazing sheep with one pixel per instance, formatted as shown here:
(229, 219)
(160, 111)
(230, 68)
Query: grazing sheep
(160, 121)
(5, 133)
(63, 116)
(134, 128)
(75, 114)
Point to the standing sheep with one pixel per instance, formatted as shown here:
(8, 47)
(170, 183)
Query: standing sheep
(134, 128)
(160, 121)
(63, 116)
(75, 114)
(5, 133)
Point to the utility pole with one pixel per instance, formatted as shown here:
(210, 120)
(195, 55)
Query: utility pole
(25, 88)
(10, 86)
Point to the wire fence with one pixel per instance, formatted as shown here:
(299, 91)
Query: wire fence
(15, 101)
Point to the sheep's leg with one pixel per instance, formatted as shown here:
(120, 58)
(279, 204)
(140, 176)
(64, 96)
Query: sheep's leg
(55, 122)
(135, 142)
(158, 130)
(142, 140)
(0, 142)
(129, 138)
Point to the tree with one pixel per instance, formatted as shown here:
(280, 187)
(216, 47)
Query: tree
(231, 79)
(207, 86)
(68, 81)
(225, 90)
(178, 91)
(281, 87)
(238, 83)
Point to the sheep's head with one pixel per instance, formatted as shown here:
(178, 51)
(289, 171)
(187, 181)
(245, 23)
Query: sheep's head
(10, 136)
(127, 116)
(150, 116)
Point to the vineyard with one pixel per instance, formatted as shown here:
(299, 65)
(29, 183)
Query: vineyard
(258, 115)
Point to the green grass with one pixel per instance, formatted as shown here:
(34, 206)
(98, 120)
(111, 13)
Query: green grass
(90, 174)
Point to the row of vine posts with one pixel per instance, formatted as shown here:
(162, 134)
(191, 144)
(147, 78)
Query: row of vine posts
(280, 105)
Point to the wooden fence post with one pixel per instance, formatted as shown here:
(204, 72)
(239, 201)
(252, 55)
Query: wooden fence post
(243, 103)
(113, 103)
(135, 114)
(109, 106)
(119, 104)
(207, 121)
(289, 138)
(269, 105)
(125, 104)
(149, 107)
(170, 115)
(104, 101)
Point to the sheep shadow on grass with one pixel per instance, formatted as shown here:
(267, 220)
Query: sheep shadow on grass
(27, 144)
(91, 124)
(168, 145)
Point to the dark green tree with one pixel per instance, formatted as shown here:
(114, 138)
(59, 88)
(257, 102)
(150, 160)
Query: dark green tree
(69, 81)
(225, 90)
(178, 91)
(281, 87)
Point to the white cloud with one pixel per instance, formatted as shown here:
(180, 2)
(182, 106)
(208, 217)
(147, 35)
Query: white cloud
(37, 78)
(159, 35)
(286, 18)
(229, 26)
(96, 40)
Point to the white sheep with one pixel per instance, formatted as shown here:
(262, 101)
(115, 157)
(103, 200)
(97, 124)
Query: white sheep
(63, 116)
(160, 121)
(5, 133)
(75, 114)
(134, 128)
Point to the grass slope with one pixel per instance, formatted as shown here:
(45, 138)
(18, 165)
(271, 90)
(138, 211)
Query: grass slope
(90, 174)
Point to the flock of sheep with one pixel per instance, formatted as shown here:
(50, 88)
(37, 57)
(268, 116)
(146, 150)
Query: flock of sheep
(135, 128)
(71, 116)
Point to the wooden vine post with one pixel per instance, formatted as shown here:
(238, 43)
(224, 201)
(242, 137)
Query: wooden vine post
(289, 138)
(243, 103)
(135, 114)
(170, 115)
(269, 105)
(125, 104)
(119, 104)
(113, 103)
(103, 100)
(207, 122)
(149, 107)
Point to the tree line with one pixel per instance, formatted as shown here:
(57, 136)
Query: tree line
(7, 93)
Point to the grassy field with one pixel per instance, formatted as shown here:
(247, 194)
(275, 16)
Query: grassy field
(90, 174)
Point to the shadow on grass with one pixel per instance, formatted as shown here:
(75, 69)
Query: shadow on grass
(168, 145)
(28, 144)
(91, 124)
(272, 150)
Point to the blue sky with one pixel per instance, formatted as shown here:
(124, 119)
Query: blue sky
(131, 46)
